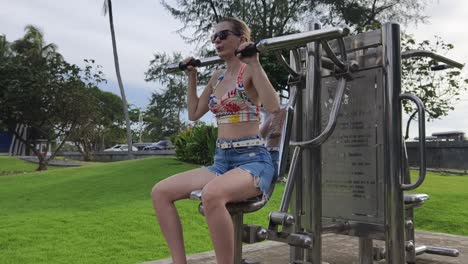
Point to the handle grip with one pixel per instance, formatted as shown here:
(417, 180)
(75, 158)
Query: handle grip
(440, 67)
(332, 119)
(248, 51)
(422, 141)
(193, 62)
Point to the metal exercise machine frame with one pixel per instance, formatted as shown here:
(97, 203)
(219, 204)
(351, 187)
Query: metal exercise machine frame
(375, 53)
(276, 43)
(306, 207)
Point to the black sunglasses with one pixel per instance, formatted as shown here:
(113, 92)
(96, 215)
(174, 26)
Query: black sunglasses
(223, 34)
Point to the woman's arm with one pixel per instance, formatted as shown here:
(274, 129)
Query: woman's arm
(258, 78)
(265, 90)
(198, 106)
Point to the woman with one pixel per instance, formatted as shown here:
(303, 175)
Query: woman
(242, 167)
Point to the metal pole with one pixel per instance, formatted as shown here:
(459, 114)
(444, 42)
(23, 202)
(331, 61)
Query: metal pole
(140, 122)
(394, 211)
(311, 158)
(237, 220)
(296, 253)
(299, 39)
(430, 54)
(279, 43)
(365, 251)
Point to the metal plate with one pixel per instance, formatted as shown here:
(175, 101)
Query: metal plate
(365, 49)
(352, 158)
(361, 41)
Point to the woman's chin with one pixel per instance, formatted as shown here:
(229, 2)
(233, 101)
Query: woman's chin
(224, 54)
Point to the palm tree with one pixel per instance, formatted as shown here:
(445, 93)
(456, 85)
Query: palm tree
(4, 47)
(36, 53)
(107, 8)
(33, 46)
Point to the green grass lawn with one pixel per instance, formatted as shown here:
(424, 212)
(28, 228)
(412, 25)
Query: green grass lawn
(447, 208)
(95, 214)
(10, 165)
(102, 213)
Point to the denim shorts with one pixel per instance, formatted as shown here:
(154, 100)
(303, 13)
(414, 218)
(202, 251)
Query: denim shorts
(254, 159)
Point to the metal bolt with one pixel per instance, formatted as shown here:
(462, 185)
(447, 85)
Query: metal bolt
(409, 224)
(262, 234)
(409, 246)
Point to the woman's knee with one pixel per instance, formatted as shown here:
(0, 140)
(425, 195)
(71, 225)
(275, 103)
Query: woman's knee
(161, 192)
(212, 198)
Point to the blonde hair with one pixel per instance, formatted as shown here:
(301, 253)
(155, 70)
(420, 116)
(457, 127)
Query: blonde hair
(238, 27)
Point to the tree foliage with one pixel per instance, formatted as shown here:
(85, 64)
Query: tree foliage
(364, 15)
(196, 144)
(103, 122)
(437, 89)
(40, 90)
(265, 18)
(163, 116)
(270, 18)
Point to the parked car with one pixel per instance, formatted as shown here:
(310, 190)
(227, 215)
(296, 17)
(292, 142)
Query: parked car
(141, 146)
(121, 147)
(160, 145)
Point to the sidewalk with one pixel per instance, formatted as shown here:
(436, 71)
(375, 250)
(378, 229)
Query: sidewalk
(58, 163)
(340, 250)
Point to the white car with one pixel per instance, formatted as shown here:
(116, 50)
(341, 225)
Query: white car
(123, 147)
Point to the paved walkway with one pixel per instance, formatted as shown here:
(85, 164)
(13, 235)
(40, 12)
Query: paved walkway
(59, 163)
(340, 250)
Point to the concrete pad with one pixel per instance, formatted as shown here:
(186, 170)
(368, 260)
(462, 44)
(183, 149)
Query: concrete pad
(338, 249)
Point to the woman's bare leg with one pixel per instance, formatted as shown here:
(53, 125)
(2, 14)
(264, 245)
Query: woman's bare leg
(235, 185)
(164, 194)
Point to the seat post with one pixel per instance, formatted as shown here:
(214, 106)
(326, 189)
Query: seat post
(237, 220)
(410, 238)
(365, 250)
(409, 213)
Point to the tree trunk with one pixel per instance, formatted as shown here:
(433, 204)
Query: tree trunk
(84, 151)
(87, 156)
(119, 78)
(29, 146)
(42, 164)
(42, 161)
(408, 124)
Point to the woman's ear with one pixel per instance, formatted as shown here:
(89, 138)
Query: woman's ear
(243, 39)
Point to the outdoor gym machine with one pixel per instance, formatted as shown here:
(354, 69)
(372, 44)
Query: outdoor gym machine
(348, 170)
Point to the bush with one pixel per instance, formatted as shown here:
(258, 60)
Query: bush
(196, 144)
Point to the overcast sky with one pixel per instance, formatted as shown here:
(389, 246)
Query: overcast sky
(144, 27)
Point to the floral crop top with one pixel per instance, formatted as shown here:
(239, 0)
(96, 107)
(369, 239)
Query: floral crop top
(234, 106)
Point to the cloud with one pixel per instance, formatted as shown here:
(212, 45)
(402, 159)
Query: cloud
(81, 31)
(447, 20)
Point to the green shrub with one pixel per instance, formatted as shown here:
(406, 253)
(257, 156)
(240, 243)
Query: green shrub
(196, 144)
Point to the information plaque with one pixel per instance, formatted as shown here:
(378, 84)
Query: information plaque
(352, 158)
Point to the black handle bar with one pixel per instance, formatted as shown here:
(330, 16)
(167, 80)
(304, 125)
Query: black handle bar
(248, 51)
(192, 62)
